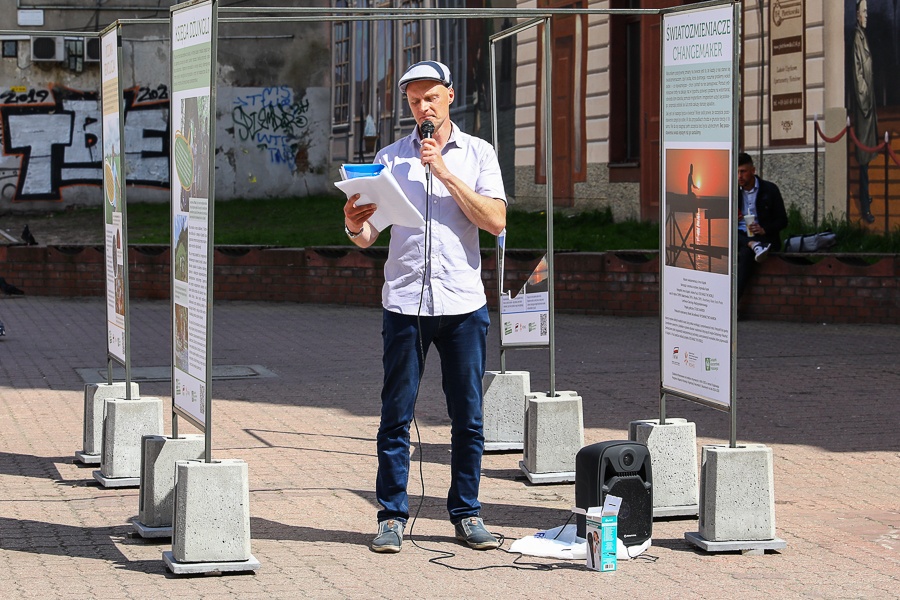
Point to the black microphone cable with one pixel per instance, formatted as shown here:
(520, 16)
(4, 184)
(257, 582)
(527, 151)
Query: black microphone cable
(426, 129)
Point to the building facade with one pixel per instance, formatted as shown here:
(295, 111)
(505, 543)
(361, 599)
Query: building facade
(368, 111)
(797, 77)
(297, 99)
(272, 113)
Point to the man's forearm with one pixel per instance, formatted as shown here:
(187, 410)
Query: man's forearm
(485, 212)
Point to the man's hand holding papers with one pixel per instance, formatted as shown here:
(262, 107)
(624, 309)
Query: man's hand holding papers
(375, 185)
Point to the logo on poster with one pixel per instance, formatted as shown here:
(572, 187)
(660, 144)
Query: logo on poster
(690, 359)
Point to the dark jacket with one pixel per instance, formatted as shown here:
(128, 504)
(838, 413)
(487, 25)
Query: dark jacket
(770, 212)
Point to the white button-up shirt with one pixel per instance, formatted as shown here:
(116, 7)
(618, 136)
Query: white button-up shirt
(749, 199)
(453, 283)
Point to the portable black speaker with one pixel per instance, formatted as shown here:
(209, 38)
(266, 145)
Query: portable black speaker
(620, 468)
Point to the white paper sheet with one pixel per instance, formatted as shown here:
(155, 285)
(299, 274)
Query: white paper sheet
(394, 208)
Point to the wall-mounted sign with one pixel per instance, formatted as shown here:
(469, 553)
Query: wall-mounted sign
(30, 18)
(787, 73)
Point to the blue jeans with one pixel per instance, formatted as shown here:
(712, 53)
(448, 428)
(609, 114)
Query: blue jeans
(460, 341)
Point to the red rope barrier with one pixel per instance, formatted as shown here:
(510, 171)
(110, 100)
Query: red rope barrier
(837, 138)
(830, 140)
(893, 156)
(862, 146)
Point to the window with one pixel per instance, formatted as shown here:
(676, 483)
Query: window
(362, 87)
(567, 87)
(386, 81)
(341, 114)
(412, 35)
(75, 54)
(371, 54)
(506, 94)
(10, 48)
(411, 45)
(453, 49)
(625, 88)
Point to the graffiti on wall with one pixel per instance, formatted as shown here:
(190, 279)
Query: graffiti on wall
(50, 137)
(53, 135)
(276, 123)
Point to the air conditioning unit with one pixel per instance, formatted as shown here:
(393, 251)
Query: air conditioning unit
(92, 50)
(48, 49)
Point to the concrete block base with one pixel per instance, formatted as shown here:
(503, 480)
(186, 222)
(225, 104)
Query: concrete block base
(158, 457)
(116, 482)
(503, 447)
(538, 478)
(504, 409)
(737, 494)
(126, 422)
(212, 512)
(183, 568)
(151, 532)
(95, 397)
(87, 459)
(665, 512)
(554, 433)
(673, 451)
(747, 547)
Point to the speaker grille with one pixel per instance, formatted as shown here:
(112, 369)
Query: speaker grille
(620, 468)
(636, 512)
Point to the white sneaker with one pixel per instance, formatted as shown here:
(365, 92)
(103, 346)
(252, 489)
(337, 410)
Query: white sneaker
(761, 251)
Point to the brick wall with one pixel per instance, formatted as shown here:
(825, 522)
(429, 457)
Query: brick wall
(831, 288)
(827, 288)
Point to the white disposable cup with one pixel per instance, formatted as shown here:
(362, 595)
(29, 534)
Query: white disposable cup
(749, 220)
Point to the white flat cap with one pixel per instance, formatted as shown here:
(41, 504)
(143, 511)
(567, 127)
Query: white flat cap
(426, 70)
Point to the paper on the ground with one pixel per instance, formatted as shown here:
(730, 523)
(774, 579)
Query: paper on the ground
(562, 542)
(394, 208)
(559, 542)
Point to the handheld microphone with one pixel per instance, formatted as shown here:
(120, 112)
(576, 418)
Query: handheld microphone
(426, 129)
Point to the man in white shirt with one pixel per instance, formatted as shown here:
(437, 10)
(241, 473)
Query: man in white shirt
(433, 294)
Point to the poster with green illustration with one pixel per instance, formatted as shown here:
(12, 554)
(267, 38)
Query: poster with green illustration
(112, 166)
(190, 150)
(113, 196)
(191, 145)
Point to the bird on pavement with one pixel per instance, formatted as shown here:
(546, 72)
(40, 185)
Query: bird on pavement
(27, 237)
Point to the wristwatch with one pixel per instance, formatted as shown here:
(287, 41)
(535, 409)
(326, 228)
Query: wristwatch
(351, 234)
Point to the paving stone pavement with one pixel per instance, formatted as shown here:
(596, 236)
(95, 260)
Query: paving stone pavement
(823, 397)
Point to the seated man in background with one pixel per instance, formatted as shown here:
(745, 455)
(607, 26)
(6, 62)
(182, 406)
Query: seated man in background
(762, 217)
